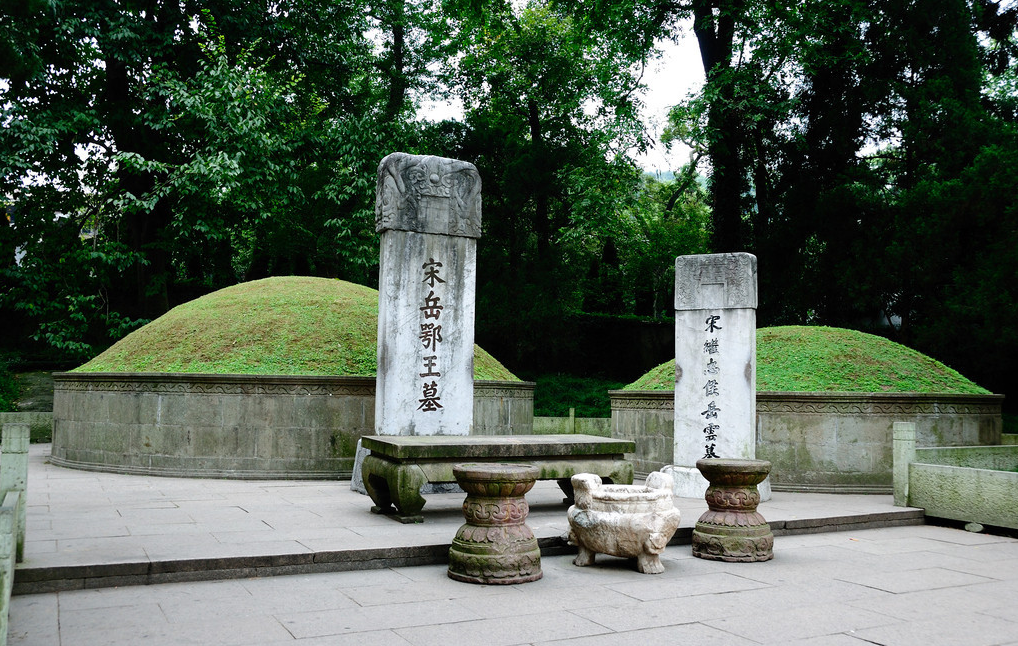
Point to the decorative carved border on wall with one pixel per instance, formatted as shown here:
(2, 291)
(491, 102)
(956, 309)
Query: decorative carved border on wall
(878, 403)
(642, 399)
(504, 389)
(204, 384)
(831, 403)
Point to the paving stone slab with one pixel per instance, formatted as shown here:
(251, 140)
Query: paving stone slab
(383, 607)
(373, 638)
(931, 604)
(423, 613)
(662, 612)
(915, 580)
(808, 593)
(686, 586)
(775, 624)
(829, 640)
(694, 633)
(970, 629)
(36, 620)
(245, 631)
(499, 632)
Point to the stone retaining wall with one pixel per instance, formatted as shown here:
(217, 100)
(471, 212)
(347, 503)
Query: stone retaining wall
(970, 484)
(600, 426)
(647, 418)
(40, 423)
(237, 426)
(837, 442)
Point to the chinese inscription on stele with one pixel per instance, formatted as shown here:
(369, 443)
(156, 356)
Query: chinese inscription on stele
(712, 386)
(431, 337)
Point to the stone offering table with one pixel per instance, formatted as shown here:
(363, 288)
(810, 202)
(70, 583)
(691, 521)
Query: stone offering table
(732, 529)
(495, 545)
(399, 465)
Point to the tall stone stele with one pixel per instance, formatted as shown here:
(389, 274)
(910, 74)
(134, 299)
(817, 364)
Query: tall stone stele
(715, 365)
(428, 211)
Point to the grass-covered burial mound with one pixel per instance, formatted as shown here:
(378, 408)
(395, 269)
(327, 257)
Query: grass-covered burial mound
(827, 400)
(268, 379)
(288, 325)
(825, 359)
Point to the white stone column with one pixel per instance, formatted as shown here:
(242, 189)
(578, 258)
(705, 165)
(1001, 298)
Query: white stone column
(428, 211)
(903, 453)
(14, 476)
(715, 365)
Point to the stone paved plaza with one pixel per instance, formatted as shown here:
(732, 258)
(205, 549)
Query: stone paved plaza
(918, 585)
(910, 584)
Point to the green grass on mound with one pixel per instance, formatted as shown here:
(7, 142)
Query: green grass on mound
(288, 325)
(824, 359)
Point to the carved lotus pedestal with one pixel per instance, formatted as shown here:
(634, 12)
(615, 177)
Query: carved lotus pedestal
(623, 520)
(495, 545)
(732, 529)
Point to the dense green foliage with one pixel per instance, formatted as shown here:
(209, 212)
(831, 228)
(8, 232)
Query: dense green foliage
(157, 150)
(822, 359)
(555, 394)
(275, 326)
(550, 93)
(1010, 422)
(867, 151)
(172, 150)
(8, 386)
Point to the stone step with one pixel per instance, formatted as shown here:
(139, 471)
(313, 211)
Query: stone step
(34, 580)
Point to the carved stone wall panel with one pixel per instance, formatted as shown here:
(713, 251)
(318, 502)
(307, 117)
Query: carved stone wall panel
(236, 426)
(214, 384)
(838, 442)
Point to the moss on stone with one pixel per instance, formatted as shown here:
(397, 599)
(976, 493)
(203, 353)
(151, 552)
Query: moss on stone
(825, 359)
(287, 325)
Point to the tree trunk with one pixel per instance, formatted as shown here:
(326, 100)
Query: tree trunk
(715, 35)
(142, 292)
(395, 71)
(542, 225)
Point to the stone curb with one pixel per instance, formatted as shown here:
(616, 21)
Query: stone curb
(29, 580)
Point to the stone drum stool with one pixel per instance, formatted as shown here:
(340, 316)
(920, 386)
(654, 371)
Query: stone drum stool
(495, 545)
(732, 529)
(623, 520)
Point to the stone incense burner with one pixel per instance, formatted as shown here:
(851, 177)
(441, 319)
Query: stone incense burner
(630, 521)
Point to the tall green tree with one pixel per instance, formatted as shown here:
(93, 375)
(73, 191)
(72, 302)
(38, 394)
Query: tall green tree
(857, 128)
(551, 108)
(196, 144)
(716, 26)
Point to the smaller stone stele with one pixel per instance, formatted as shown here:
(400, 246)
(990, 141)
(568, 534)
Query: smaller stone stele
(630, 521)
(731, 529)
(495, 545)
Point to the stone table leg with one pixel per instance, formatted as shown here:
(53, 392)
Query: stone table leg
(566, 485)
(622, 473)
(390, 484)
